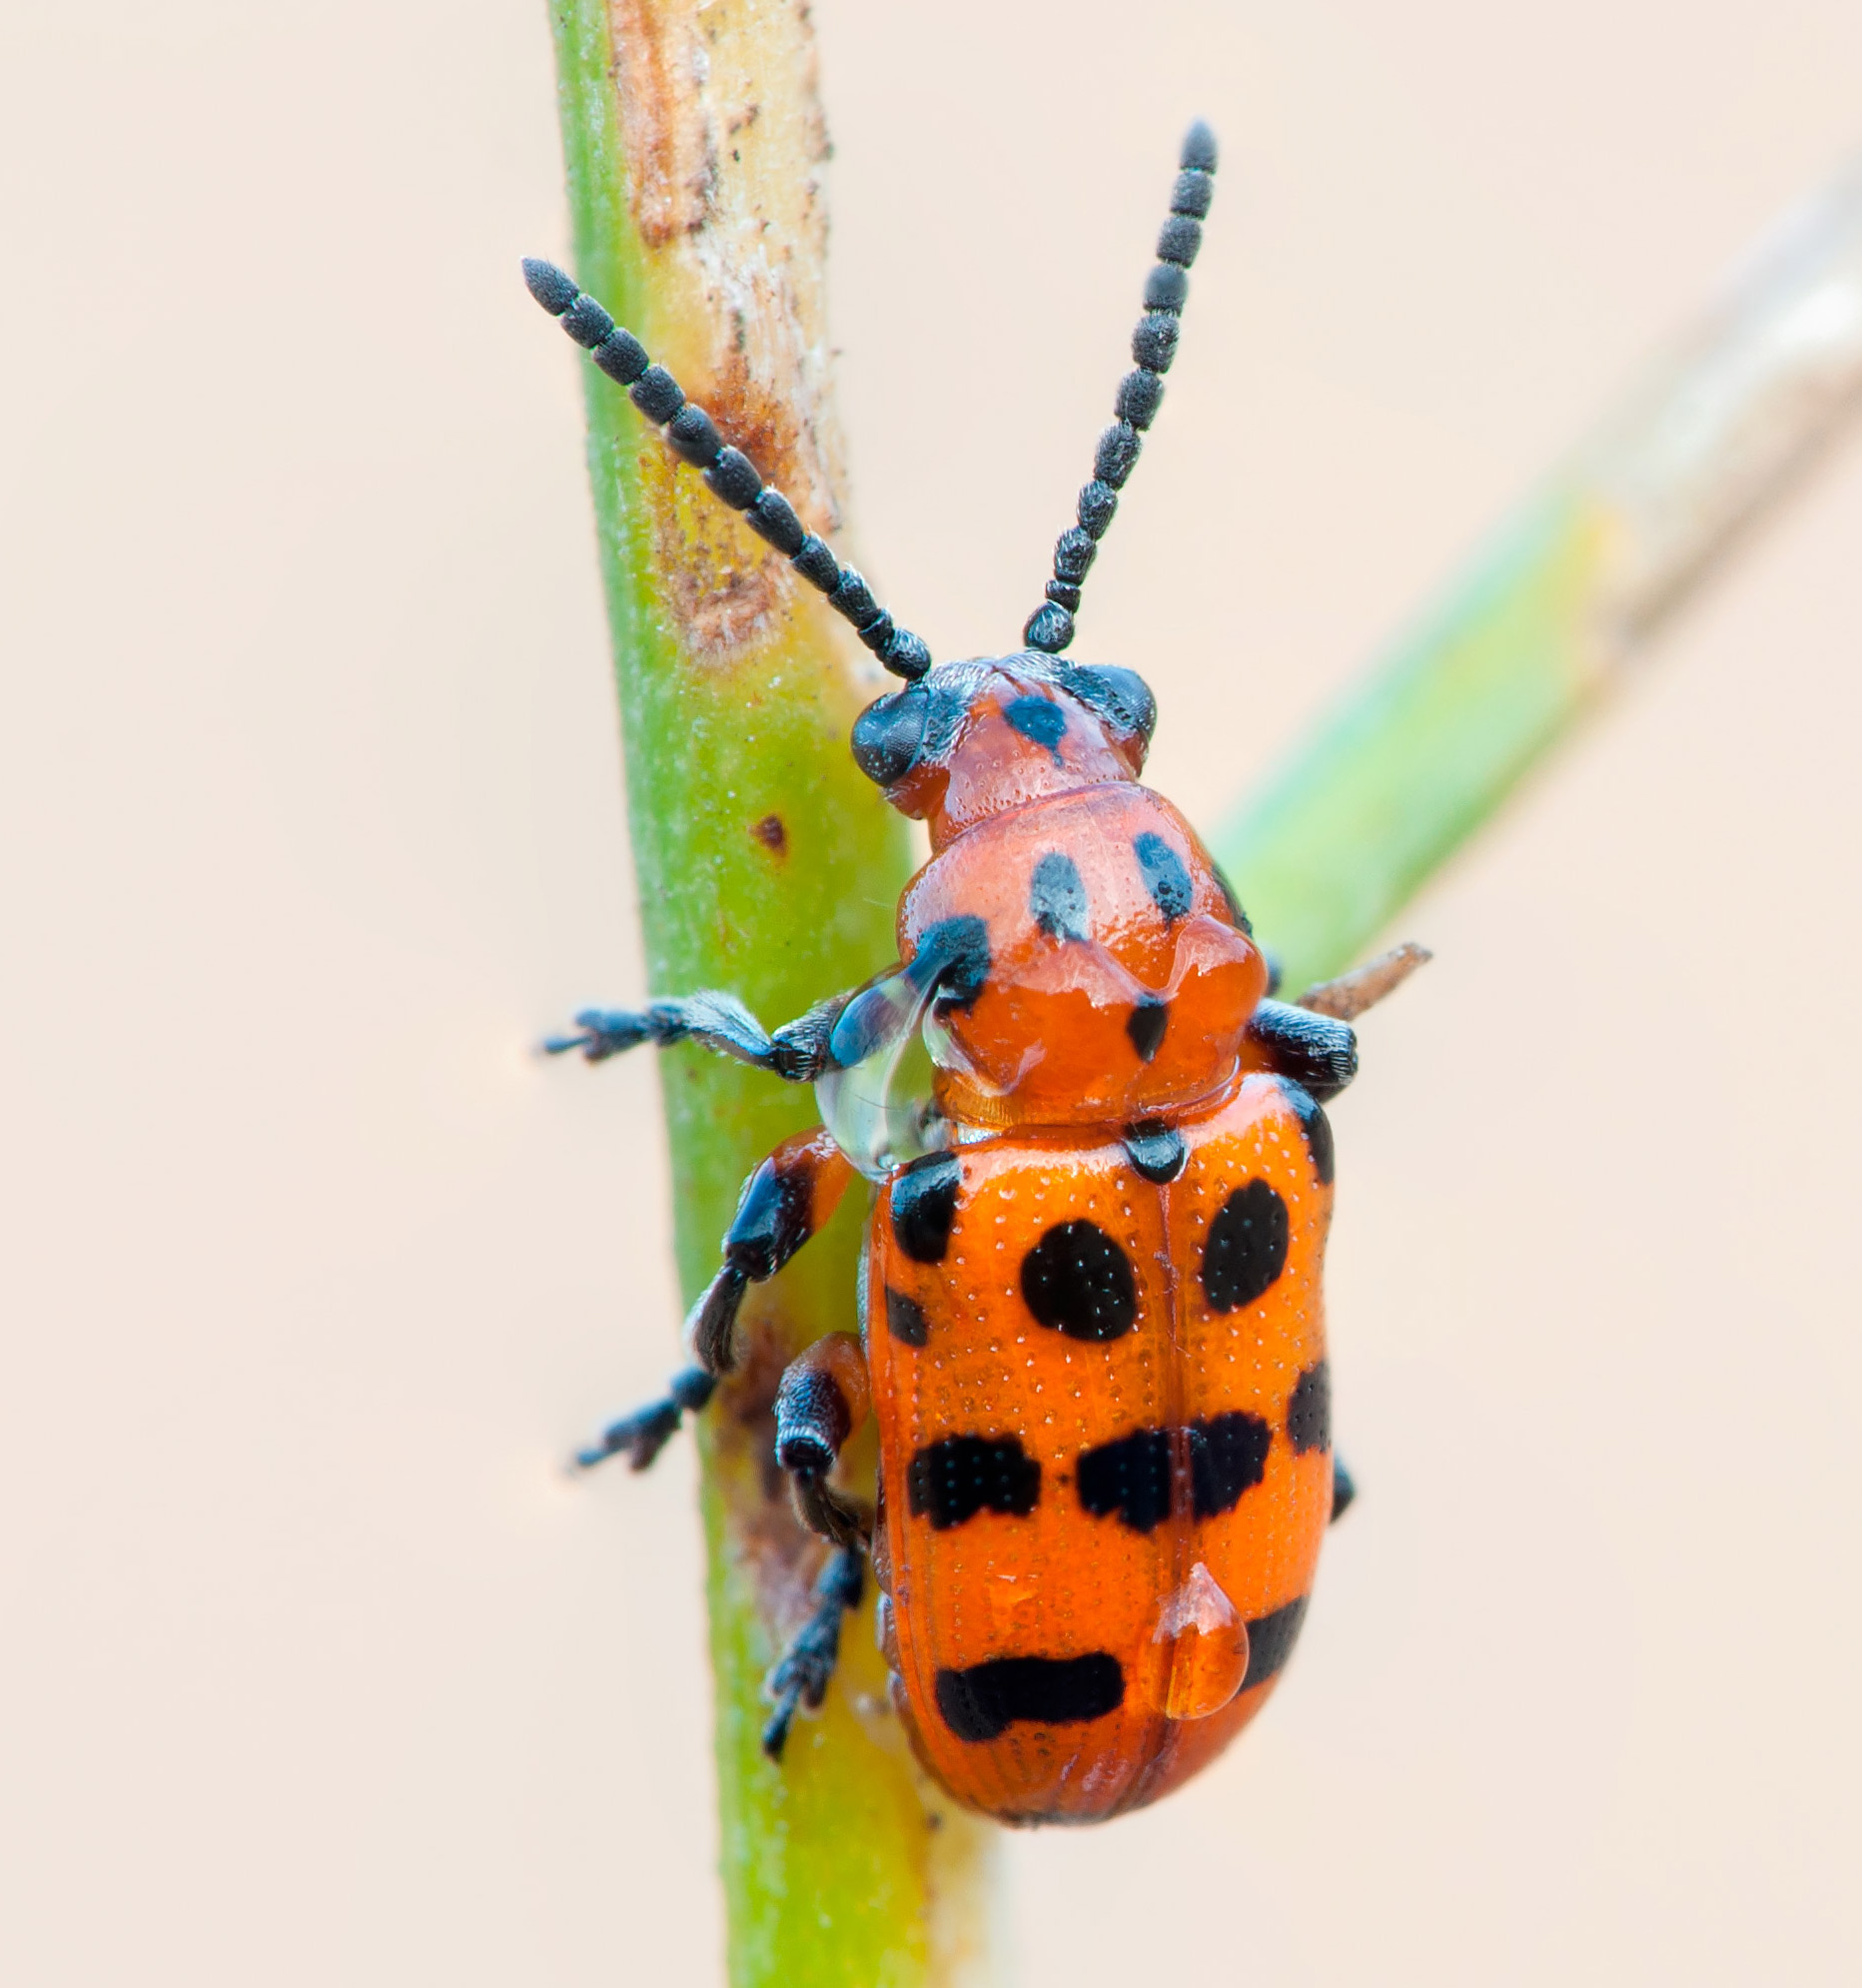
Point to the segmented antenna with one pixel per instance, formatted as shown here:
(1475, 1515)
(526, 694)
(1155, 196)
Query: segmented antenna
(1154, 346)
(689, 432)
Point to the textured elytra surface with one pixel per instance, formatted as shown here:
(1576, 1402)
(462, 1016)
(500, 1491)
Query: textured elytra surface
(1053, 1485)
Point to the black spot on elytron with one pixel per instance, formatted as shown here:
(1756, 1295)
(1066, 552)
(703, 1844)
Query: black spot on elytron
(1131, 1476)
(1343, 1489)
(1039, 719)
(957, 951)
(924, 1205)
(1270, 1641)
(1247, 1246)
(1078, 1281)
(1146, 1026)
(1232, 901)
(1317, 1127)
(1309, 1412)
(1228, 1455)
(1057, 897)
(1165, 876)
(1156, 1150)
(905, 1317)
(982, 1702)
(958, 1477)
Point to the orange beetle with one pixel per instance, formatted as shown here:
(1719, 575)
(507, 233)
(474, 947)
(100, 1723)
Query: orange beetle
(1090, 1321)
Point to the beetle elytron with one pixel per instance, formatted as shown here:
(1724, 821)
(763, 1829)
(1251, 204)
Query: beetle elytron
(1091, 1324)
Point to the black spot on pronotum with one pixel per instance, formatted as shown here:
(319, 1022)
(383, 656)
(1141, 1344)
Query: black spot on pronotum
(1078, 1281)
(1270, 1641)
(1156, 1150)
(1309, 1412)
(1131, 1476)
(956, 1477)
(1057, 897)
(1228, 1455)
(1040, 721)
(905, 1317)
(1247, 1246)
(957, 950)
(1146, 1025)
(924, 1205)
(1164, 873)
(982, 1702)
(1317, 1127)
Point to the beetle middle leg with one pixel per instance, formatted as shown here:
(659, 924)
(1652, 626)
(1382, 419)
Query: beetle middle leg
(784, 1202)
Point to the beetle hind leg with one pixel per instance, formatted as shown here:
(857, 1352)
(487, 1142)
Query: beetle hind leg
(801, 1676)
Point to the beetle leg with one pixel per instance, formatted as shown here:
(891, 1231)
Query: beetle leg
(1315, 1051)
(784, 1202)
(801, 1676)
(1343, 1489)
(796, 1051)
(1347, 997)
(823, 1398)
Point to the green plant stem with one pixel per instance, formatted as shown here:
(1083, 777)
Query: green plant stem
(1415, 755)
(767, 865)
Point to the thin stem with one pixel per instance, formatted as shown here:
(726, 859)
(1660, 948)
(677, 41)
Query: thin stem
(1415, 755)
(769, 867)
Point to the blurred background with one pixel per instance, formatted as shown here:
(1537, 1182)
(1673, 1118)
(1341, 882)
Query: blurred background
(314, 1668)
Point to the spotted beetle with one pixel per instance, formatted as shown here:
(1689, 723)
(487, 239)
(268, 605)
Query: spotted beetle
(1091, 1327)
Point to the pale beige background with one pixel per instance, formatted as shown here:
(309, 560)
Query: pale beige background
(312, 1671)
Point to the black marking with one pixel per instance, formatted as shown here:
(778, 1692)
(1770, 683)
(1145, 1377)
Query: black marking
(1247, 1246)
(1343, 1489)
(1078, 1281)
(924, 1205)
(1166, 877)
(1156, 1150)
(952, 1480)
(982, 1702)
(1228, 1455)
(1309, 1411)
(1317, 1127)
(1131, 1476)
(1146, 1025)
(959, 949)
(1270, 1641)
(905, 1319)
(1039, 719)
(1057, 897)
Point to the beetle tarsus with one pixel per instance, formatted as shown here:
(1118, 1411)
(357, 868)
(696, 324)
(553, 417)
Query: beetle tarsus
(801, 1676)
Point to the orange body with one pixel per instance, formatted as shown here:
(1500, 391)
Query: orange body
(1092, 1320)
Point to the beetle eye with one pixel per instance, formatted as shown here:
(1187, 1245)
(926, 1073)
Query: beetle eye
(1119, 694)
(888, 733)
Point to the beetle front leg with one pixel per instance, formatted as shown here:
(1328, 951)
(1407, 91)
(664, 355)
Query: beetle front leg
(797, 1051)
(784, 1202)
